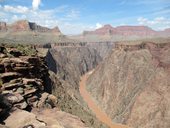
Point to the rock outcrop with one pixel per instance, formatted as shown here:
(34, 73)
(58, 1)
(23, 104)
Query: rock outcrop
(132, 85)
(24, 25)
(23, 80)
(25, 94)
(38, 28)
(72, 62)
(49, 118)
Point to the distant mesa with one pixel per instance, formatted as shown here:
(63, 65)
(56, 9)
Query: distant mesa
(141, 31)
(24, 25)
(126, 31)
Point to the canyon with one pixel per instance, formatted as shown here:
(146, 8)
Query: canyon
(26, 95)
(132, 85)
(51, 80)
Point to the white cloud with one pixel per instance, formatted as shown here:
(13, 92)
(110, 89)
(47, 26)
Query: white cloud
(36, 4)
(63, 16)
(17, 9)
(15, 17)
(158, 23)
(98, 25)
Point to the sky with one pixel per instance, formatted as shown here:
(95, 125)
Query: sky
(75, 16)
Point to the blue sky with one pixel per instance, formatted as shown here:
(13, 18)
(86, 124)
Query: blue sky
(74, 16)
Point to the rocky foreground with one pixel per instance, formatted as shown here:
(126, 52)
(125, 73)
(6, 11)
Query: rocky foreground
(25, 93)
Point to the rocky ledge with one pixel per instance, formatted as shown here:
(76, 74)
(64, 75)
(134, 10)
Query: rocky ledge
(25, 93)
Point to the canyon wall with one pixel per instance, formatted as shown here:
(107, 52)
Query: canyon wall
(67, 64)
(132, 85)
(25, 92)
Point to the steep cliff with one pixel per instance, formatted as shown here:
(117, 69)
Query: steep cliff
(132, 85)
(69, 63)
(24, 25)
(102, 48)
(72, 62)
(25, 92)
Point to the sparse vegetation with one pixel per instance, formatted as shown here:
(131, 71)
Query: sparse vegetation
(26, 49)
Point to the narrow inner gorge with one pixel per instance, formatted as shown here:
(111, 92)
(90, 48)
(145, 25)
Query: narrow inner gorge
(102, 116)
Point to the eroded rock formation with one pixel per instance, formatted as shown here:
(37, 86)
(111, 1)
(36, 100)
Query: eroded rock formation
(25, 93)
(69, 63)
(132, 85)
(72, 62)
(24, 25)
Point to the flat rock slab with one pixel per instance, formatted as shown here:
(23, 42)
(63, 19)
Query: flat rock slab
(20, 118)
(54, 117)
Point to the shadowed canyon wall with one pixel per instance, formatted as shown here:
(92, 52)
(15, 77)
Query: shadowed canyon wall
(69, 63)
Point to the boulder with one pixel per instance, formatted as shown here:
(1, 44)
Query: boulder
(21, 105)
(20, 90)
(47, 100)
(42, 100)
(52, 100)
(14, 98)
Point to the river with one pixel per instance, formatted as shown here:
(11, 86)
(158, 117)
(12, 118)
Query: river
(102, 116)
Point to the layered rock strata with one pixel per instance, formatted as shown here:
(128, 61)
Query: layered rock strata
(132, 85)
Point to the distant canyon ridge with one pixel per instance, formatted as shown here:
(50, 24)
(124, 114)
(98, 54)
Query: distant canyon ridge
(127, 31)
(24, 25)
